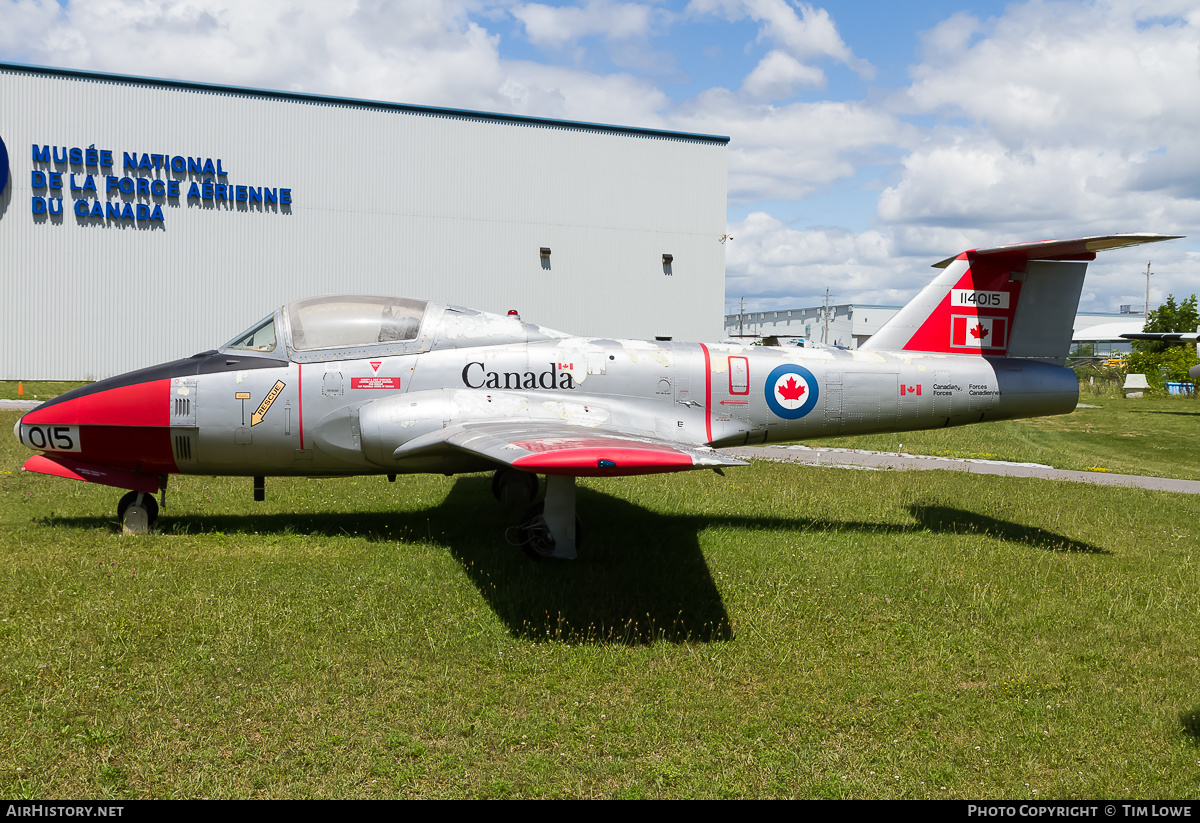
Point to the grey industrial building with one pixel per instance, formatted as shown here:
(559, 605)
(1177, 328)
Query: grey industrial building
(850, 325)
(143, 220)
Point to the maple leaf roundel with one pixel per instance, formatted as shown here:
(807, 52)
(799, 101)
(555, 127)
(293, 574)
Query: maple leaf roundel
(791, 391)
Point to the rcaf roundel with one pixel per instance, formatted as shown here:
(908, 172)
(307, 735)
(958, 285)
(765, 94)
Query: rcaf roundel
(791, 391)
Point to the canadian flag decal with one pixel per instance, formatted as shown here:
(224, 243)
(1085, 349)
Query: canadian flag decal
(978, 332)
(907, 390)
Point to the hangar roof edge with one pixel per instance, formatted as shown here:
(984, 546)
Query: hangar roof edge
(301, 97)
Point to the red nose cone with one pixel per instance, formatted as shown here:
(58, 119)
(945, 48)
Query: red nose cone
(122, 428)
(142, 404)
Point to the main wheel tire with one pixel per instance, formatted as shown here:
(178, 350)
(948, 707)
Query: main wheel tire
(513, 487)
(535, 537)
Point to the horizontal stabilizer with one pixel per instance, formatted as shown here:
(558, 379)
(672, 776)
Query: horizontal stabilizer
(1083, 248)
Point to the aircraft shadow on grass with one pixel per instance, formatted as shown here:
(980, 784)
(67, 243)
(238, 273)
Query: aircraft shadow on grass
(1155, 411)
(1189, 723)
(641, 576)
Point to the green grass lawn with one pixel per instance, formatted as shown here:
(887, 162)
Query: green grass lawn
(34, 389)
(1158, 437)
(783, 631)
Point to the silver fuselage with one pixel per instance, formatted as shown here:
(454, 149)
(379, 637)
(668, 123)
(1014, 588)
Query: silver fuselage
(352, 416)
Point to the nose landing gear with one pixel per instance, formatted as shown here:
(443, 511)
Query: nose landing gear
(137, 512)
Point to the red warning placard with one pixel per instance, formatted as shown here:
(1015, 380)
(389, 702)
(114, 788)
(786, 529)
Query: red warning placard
(375, 383)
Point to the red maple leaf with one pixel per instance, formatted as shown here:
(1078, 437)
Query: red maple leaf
(979, 332)
(790, 390)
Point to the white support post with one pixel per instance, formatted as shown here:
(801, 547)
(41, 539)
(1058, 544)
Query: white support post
(560, 514)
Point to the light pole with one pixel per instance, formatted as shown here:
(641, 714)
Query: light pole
(1148, 273)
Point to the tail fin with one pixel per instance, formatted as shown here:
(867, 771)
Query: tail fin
(1014, 301)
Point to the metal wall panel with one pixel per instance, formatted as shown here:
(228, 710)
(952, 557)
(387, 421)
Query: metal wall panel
(410, 202)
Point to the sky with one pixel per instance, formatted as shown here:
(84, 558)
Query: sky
(868, 140)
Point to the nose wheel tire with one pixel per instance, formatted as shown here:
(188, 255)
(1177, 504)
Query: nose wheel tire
(137, 512)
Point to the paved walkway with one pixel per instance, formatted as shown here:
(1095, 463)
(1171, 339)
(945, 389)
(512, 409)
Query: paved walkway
(858, 459)
(19, 405)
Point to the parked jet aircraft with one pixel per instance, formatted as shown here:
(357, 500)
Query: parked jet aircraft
(1171, 337)
(351, 385)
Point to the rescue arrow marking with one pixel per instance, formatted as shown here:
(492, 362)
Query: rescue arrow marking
(735, 402)
(265, 405)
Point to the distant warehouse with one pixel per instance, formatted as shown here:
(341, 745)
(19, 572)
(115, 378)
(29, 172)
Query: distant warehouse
(144, 220)
(848, 326)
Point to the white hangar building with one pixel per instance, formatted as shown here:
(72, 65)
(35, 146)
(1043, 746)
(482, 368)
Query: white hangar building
(143, 220)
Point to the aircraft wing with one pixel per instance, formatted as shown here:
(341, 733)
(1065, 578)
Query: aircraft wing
(578, 451)
(1165, 337)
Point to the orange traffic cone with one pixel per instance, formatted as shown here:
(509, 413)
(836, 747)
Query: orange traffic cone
(20, 387)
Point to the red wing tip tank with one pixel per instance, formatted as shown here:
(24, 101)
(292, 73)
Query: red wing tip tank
(351, 385)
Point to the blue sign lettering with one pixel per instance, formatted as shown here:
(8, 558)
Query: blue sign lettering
(141, 182)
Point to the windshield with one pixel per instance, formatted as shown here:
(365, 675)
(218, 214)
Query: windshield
(341, 322)
(259, 337)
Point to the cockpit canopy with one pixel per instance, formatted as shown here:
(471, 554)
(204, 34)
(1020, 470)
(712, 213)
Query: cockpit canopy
(258, 338)
(346, 327)
(344, 321)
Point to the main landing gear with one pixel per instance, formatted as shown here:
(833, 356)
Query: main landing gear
(513, 487)
(137, 512)
(550, 528)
